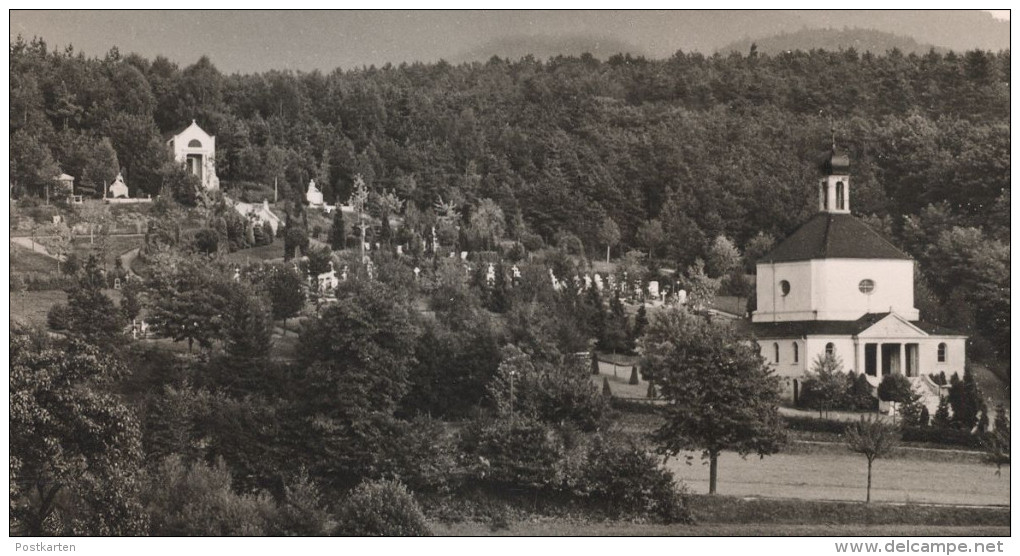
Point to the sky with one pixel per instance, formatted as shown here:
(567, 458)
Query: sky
(248, 41)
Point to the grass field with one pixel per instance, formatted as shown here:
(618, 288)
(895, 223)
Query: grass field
(733, 516)
(835, 476)
(31, 307)
(563, 527)
(118, 246)
(261, 253)
(25, 260)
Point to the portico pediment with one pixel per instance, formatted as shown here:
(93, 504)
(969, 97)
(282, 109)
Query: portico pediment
(892, 326)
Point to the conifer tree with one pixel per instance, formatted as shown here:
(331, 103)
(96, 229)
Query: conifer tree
(338, 233)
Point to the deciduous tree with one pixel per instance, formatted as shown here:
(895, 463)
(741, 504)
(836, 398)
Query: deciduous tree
(75, 448)
(873, 439)
(721, 395)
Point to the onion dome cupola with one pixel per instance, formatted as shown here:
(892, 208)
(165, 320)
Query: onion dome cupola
(834, 187)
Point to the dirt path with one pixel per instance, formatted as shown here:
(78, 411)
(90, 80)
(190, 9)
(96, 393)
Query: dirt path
(127, 258)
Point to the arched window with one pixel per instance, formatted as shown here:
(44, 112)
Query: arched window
(775, 350)
(194, 144)
(830, 350)
(796, 352)
(840, 198)
(825, 196)
(942, 352)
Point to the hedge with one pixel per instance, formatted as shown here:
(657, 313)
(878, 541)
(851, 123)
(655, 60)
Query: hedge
(933, 435)
(952, 437)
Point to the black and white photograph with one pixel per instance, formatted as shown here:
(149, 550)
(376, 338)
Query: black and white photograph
(736, 275)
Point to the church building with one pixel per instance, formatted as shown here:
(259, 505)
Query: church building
(837, 287)
(196, 149)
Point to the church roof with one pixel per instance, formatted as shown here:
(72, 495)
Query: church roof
(834, 163)
(831, 235)
(174, 133)
(800, 329)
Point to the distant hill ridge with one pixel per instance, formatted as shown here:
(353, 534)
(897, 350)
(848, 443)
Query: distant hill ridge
(861, 40)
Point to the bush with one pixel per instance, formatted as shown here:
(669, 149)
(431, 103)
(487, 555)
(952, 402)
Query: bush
(858, 395)
(197, 499)
(532, 242)
(525, 454)
(896, 388)
(18, 283)
(205, 240)
(516, 253)
(302, 512)
(59, 317)
(44, 281)
(626, 479)
(381, 509)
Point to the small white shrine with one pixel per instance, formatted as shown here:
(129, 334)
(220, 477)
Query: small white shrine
(119, 190)
(314, 195)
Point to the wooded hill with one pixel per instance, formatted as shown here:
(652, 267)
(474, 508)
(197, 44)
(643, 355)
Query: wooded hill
(720, 145)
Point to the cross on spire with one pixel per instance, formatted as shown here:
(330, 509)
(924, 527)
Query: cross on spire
(832, 130)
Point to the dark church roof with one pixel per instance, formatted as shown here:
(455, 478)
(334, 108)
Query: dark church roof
(835, 163)
(833, 236)
(802, 328)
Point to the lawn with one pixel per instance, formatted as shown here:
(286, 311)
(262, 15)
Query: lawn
(31, 307)
(25, 260)
(732, 516)
(118, 245)
(619, 378)
(564, 527)
(843, 476)
(260, 253)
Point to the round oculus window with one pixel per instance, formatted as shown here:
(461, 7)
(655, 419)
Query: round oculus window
(866, 286)
(784, 287)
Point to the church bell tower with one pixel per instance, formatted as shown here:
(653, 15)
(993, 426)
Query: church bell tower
(834, 187)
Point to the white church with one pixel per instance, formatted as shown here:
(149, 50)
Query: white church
(835, 286)
(196, 149)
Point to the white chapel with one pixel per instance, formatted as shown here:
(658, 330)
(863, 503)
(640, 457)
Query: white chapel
(196, 149)
(835, 286)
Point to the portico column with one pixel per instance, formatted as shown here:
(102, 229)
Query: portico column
(858, 356)
(878, 359)
(903, 359)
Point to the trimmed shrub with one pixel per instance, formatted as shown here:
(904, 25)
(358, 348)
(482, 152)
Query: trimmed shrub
(951, 437)
(381, 509)
(811, 424)
(896, 388)
(58, 317)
